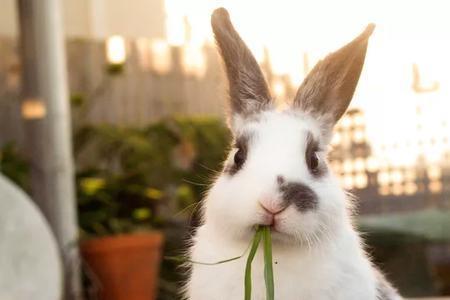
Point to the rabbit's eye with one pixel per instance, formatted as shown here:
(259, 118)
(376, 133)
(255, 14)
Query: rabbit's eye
(239, 157)
(315, 166)
(313, 161)
(241, 147)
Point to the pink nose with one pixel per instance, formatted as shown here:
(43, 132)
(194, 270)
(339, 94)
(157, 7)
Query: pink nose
(270, 214)
(272, 209)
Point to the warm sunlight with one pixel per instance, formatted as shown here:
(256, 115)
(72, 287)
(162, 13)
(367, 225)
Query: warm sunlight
(142, 157)
(406, 66)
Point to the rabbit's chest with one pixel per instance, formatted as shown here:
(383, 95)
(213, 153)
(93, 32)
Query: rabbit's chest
(295, 279)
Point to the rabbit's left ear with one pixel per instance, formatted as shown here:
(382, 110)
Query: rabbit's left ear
(248, 89)
(328, 89)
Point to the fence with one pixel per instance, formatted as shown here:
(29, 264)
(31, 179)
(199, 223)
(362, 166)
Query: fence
(156, 80)
(154, 83)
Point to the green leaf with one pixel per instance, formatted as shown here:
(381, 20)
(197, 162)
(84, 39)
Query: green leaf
(268, 266)
(181, 259)
(248, 266)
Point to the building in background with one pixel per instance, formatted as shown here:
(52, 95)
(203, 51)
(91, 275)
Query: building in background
(384, 185)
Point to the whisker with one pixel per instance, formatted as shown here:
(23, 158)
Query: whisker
(194, 210)
(194, 183)
(208, 168)
(195, 205)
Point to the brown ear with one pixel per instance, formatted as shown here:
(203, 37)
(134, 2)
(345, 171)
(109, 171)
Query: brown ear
(328, 89)
(247, 87)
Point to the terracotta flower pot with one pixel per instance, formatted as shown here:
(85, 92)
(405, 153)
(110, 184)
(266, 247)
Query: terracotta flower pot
(126, 266)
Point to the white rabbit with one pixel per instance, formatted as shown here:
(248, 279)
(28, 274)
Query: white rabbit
(277, 175)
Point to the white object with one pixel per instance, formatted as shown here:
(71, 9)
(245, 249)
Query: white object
(30, 266)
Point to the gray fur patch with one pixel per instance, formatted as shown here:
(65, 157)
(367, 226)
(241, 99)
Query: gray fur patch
(312, 146)
(241, 143)
(303, 197)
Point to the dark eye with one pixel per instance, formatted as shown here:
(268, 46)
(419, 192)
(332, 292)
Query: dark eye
(239, 157)
(313, 161)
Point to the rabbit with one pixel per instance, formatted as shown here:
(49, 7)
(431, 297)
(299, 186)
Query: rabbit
(276, 174)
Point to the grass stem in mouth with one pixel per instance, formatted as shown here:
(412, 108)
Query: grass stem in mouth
(268, 265)
(248, 266)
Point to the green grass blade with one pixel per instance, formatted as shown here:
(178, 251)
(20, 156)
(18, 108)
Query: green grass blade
(248, 266)
(268, 266)
(182, 259)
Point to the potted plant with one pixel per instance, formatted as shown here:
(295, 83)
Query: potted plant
(118, 208)
(133, 184)
(121, 244)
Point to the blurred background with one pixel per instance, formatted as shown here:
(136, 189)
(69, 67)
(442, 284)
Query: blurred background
(125, 134)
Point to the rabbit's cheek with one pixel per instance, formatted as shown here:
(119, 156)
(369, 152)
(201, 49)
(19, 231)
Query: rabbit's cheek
(291, 226)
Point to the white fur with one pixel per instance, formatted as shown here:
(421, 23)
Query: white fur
(317, 254)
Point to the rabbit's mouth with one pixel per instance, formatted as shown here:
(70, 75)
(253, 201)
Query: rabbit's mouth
(288, 231)
(276, 228)
(274, 223)
(272, 217)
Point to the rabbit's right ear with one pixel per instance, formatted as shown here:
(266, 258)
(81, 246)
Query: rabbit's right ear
(248, 89)
(328, 89)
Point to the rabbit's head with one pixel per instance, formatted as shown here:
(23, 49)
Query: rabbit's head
(276, 173)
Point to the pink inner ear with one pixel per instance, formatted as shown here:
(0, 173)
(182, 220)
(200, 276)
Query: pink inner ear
(248, 89)
(328, 89)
